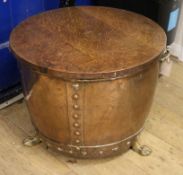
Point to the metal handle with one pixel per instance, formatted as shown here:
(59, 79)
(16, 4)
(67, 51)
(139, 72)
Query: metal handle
(165, 56)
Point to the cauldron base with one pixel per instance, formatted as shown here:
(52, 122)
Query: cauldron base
(92, 152)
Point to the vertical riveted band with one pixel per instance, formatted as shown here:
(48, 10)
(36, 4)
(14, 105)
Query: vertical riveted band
(75, 114)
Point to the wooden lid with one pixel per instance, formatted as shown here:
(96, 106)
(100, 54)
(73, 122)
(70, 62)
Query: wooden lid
(88, 42)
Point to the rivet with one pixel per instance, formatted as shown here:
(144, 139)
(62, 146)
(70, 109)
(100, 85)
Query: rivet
(76, 125)
(77, 148)
(75, 96)
(59, 149)
(77, 141)
(76, 116)
(75, 106)
(70, 151)
(128, 143)
(115, 149)
(48, 144)
(101, 152)
(77, 133)
(75, 86)
(84, 153)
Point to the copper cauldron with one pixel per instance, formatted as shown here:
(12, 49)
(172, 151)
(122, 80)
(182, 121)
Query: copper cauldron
(89, 76)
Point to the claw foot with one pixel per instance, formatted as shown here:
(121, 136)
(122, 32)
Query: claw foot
(32, 141)
(143, 150)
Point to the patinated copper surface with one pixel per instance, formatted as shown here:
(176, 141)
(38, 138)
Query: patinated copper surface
(89, 75)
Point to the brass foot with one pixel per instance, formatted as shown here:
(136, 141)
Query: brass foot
(32, 141)
(143, 150)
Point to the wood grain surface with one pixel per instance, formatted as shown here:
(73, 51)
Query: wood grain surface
(87, 42)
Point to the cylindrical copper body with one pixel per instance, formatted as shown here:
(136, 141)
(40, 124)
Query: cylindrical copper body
(89, 119)
(88, 97)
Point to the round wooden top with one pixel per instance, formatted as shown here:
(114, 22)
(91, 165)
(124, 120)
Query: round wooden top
(87, 42)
